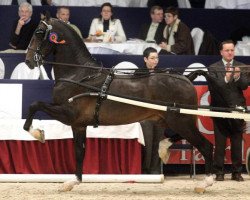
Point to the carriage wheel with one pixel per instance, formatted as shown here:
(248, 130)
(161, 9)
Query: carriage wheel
(248, 161)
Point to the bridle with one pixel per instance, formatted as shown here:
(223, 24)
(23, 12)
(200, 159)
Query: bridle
(38, 56)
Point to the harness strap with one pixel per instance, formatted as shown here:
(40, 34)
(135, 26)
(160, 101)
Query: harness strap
(102, 96)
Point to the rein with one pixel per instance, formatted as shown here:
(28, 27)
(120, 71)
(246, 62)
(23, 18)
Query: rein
(142, 70)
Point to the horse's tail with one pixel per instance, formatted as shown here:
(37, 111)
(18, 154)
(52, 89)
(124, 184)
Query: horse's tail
(193, 75)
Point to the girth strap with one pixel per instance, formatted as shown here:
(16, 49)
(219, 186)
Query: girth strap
(102, 96)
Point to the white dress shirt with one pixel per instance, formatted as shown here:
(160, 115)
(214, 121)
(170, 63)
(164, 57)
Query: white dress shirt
(115, 27)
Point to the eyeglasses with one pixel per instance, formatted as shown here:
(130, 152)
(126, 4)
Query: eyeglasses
(153, 58)
(168, 16)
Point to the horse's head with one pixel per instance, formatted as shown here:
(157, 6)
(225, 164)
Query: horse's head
(45, 37)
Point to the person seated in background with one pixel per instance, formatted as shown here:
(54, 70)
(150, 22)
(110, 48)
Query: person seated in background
(177, 36)
(63, 13)
(151, 163)
(23, 28)
(156, 140)
(106, 28)
(153, 32)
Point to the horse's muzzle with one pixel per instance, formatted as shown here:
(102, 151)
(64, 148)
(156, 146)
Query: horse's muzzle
(28, 63)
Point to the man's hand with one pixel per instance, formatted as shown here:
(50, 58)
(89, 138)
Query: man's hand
(232, 73)
(21, 22)
(229, 74)
(19, 26)
(237, 73)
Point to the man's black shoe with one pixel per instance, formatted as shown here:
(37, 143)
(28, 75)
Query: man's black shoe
(219, 177)
(237, 177)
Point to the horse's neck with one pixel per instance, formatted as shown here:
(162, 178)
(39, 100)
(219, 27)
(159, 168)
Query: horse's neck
(75, 55)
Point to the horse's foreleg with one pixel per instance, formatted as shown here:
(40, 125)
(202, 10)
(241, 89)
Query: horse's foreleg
(36, 133)
(79, 144)
(58, 112)
(32, 111)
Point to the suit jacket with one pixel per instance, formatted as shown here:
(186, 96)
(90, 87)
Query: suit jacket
(158, 34)
(183, 40)
(226, 94)
(114, 25)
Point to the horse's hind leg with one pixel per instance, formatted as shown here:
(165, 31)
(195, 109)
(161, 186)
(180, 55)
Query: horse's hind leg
(60, 113)
(185, 126)
(79, 146)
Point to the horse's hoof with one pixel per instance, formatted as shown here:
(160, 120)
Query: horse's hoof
(163, 150)
(199, 190)
(209, 180)
(39, 135)
(201, 187)
(68, 186)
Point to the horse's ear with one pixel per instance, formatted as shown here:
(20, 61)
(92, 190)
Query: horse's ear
(45, 15)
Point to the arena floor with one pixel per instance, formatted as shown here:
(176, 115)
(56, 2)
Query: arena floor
(173, 188)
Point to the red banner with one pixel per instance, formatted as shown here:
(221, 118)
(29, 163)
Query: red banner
(205, 125)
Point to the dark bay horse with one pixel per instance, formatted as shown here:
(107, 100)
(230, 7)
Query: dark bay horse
(56, 37)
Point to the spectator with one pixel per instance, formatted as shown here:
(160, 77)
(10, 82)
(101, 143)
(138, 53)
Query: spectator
(23, 28)
(226, 84)
(107, 26)
(153, 32)
(151, 163)
(63, 13)
(177, 36)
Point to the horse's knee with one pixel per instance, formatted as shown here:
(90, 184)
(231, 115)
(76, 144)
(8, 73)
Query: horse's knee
(34, 106)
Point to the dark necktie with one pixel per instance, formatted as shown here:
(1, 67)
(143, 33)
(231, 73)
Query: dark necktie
(105, 25)
(227, 68)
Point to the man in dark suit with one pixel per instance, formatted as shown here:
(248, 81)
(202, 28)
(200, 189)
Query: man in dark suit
(153, 32)
(226, 81)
